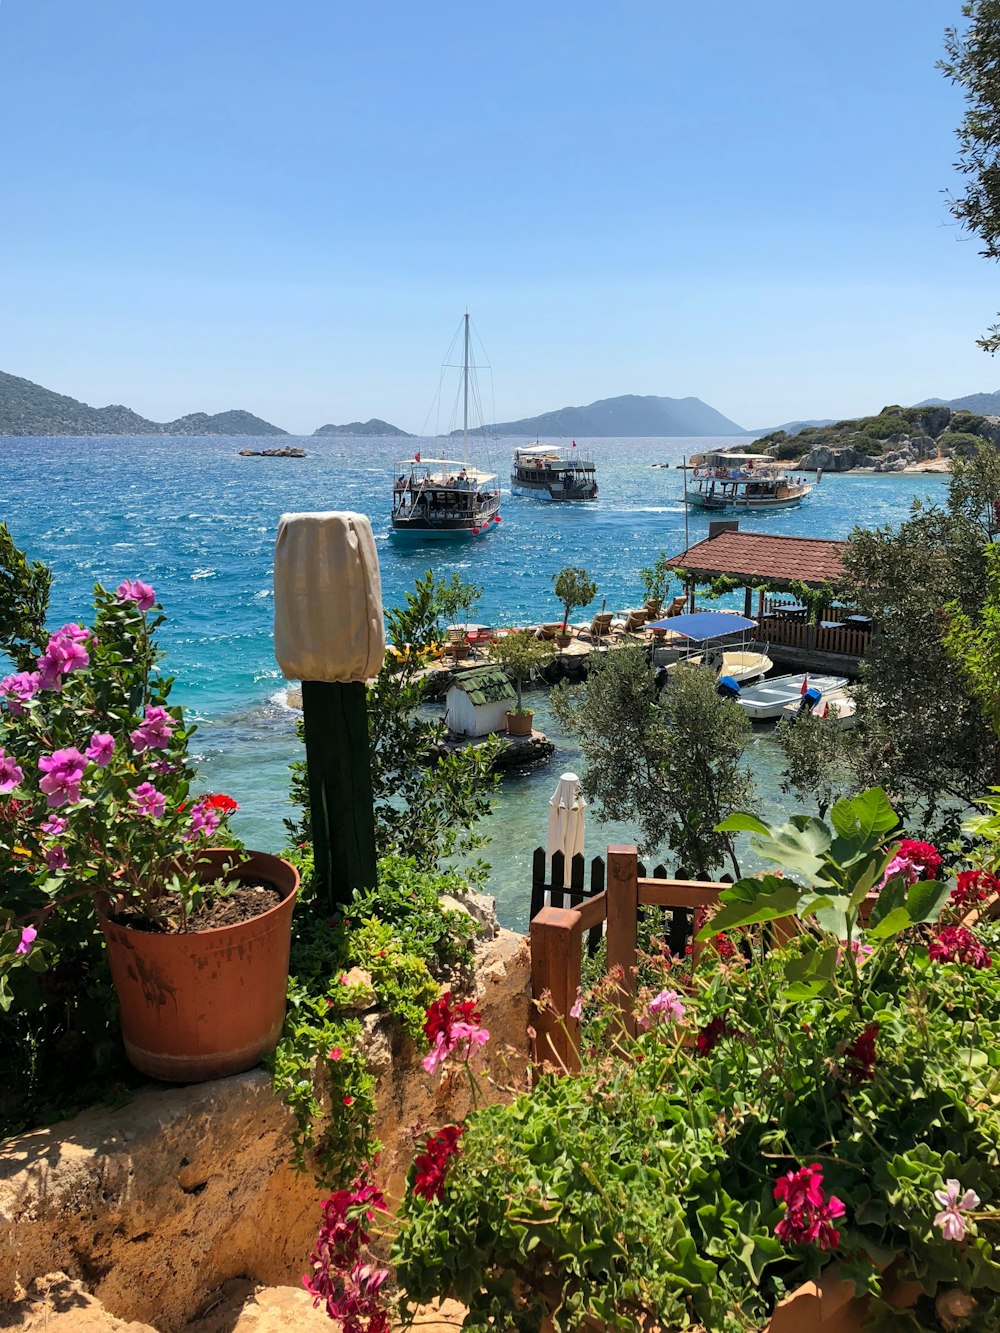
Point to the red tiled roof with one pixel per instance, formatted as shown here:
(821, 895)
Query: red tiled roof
(810, 560)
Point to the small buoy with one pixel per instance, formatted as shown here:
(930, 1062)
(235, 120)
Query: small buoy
(496, 518)
(475, 532)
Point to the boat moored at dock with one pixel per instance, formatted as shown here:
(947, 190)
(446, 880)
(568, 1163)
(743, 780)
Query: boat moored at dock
(769, 699)
(552, 473)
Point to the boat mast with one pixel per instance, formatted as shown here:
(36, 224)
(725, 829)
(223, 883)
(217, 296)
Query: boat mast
(465, 403)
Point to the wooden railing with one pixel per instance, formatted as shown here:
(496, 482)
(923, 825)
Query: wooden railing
(557, 939)
(782, 632)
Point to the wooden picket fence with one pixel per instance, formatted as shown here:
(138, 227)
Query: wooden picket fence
(556, 937)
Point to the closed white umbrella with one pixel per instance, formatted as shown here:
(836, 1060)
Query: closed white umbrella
(566, 819)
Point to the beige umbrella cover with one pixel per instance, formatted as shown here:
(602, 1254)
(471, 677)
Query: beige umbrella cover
(566, 820)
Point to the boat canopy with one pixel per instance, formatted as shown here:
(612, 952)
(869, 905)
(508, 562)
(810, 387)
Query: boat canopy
(736, 457)
(701, 625)
(449, 467)
(536, 449)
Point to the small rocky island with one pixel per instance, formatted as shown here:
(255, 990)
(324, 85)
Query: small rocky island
(286, 451)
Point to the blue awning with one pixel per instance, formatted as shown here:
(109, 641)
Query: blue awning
(702, 625)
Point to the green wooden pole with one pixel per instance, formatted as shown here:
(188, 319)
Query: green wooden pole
(335, 720)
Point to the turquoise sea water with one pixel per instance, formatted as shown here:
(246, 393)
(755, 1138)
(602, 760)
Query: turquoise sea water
(198, 522)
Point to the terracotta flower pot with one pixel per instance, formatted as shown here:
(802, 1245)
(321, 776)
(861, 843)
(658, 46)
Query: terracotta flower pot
(519, 724)
(209, 1003)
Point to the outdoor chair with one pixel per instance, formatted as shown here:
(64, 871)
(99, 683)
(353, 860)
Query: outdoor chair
(676, 607)
(600, 625)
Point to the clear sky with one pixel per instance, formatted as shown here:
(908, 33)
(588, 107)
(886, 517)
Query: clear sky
(285, 205)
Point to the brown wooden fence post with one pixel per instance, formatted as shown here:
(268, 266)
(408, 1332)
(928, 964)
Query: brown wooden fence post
(623, 913)
(556, 940)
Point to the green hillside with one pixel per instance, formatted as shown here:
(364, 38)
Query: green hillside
(29, 409)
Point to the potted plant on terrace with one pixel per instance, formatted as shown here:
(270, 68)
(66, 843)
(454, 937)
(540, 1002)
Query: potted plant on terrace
(97, 820)
(574, 587)
(655, 581)
(520, 653)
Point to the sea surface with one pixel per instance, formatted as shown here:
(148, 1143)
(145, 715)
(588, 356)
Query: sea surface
(198, 522)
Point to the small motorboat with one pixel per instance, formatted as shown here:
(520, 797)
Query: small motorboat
(770, 698)
(839, 705)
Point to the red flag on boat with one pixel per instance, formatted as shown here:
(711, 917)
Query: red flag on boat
(574, 444)
(416, 457)
(805, 682)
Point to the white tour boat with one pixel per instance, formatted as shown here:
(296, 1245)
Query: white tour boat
(769, 699)
(444, 499)
(727, 480)
(551, 473)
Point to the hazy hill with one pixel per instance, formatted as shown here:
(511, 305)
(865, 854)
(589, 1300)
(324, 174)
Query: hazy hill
(793, 427)
(372, 427)
(628, 415)
(29, 409)
(986, 404)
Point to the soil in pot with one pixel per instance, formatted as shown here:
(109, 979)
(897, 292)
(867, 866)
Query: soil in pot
(242, 902)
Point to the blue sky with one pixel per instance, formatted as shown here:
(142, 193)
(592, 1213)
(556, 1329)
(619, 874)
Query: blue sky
(286, 206)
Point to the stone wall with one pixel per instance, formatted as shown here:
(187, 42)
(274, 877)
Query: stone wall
(152, 1206)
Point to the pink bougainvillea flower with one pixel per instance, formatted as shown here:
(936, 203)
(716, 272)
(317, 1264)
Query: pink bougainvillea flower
(430, 1166)
(957, 944)
(63, 770)
(953, 1204)
(19, 688)
(101, 748)
(450, 1027)
(28, 936)
(808, 1212)
(55, 858)
(668, 1004)
(148, 801)
(11, 774)
(134, 590)
(340, 1278)
(155, 731)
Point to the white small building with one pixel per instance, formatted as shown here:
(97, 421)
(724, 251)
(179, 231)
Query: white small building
(478, 701)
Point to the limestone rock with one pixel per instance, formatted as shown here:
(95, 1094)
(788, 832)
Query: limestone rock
(240, 1307)
(58, 1304)
(480, 906)
(359, 980)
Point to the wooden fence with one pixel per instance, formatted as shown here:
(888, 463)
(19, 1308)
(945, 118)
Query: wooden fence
(837, 639)
(556, 937)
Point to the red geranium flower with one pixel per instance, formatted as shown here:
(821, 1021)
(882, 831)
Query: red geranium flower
(711, 1034)
(220, 802)
(430, 1167)
(860, 1058)
(808, 1212)
(972, 887)
(956, 944)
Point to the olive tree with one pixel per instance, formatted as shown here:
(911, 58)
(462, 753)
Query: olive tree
(817, 754)
(24, 602)
(519, 654)
(574, 587)
(670, 764)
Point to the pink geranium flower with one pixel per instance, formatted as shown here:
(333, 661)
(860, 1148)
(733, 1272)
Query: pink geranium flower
(667, 1004)
(808, 1212)
(134, 590)
(953, 1204)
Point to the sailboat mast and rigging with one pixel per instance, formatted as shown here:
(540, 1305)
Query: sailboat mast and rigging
(442, 499)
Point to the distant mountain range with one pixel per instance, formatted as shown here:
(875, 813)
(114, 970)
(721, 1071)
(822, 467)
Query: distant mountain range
(30, 409)
(627, 416)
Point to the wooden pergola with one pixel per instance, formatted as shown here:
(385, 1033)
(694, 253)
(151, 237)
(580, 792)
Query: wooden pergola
(758, 557)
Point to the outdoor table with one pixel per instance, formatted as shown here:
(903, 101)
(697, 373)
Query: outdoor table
(858, 622)
(831, 624)
(792, 610)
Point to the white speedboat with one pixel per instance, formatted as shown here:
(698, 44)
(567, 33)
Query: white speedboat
(839, 705)
(768, 700)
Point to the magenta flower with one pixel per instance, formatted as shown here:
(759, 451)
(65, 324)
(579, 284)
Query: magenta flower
(63, 654)
(11, 775)
(55, 826)
(204, 821)
(155, 732)
(78, 633)
(134, 590)
(63, 770)
(18, 689)
(163, 768)
(55, 858)
(668, 1004)
(148, 801)
(953, 1225)
(576, 1008)
(808, 1212)
(101, 748)
(957, 944)
(28, 937)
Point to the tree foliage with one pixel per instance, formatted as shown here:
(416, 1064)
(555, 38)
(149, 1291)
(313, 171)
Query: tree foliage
(973, 61)
(24, 602)
(425, 808)
(922, 735)
(519, 654)
(972, 642)
(817, 753)
(574, 587)
(670, 766)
